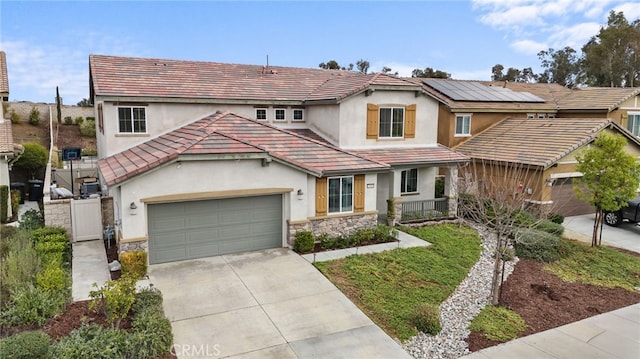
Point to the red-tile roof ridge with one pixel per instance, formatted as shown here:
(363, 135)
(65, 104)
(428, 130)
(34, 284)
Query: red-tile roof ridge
(321, 143)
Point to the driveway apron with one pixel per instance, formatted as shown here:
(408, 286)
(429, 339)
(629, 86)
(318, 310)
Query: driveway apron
(265, 304)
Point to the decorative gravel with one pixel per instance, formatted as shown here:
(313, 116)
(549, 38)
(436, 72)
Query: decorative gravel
(473, 293)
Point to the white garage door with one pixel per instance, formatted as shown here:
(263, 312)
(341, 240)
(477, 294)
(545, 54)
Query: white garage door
(196, 229)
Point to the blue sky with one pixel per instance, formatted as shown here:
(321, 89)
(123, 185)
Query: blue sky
(48, 42)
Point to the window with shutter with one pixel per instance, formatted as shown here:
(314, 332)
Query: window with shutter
(321, 197)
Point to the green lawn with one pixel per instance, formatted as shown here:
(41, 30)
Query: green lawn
(388, 286)
(600, 266)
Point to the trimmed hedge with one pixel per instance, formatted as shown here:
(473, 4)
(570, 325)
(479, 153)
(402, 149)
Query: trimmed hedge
(134, 263)
(303, 242)
(427, 318)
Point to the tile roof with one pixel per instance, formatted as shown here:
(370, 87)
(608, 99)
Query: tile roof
(4, 76)
(414, 155)
(309, 134)
(537, 142)
(6, 137)
(597, 98)
(161, 78)
(227, 133)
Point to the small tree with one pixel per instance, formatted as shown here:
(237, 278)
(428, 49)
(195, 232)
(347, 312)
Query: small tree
(33, 158)
(610, 177)
(58, 105)
(495, 195)
(34, 116)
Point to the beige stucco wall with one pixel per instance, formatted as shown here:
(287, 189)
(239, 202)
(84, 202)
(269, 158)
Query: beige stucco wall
(353, 120)
(205, 176)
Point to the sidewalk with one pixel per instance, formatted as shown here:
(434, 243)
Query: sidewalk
(613, 335)
(405, 240)
(89, 266)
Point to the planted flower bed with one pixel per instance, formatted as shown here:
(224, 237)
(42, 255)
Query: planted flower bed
(307, 242)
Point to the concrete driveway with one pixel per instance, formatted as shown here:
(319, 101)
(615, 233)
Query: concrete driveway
(626, 236)
(265, 304)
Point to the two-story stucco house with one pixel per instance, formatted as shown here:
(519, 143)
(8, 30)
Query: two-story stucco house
(207, 158)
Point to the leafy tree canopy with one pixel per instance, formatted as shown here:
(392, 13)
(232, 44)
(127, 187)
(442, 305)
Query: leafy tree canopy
(33, 158)
(430, 73)
(84, 103)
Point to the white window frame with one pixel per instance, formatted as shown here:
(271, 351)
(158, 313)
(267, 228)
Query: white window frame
(132, 119)
(636, 117)
(463, 133)
(392, 109)
(531, 115)
(404, 176)
(340, 210)
(265, 114)
(278, 110)
(301, 112)
(541, 115)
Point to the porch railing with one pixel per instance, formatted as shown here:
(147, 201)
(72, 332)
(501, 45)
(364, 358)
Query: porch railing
(425, 209)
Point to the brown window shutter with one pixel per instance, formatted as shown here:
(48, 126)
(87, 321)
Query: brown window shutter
(321, 197)
(372, 121)
(100, 119)
(358, 193)
(410, 121)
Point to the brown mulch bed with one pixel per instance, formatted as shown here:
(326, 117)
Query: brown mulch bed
(75, 316)
(545, 301)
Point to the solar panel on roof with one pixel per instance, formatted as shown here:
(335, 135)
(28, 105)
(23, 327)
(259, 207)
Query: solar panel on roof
(475, 91)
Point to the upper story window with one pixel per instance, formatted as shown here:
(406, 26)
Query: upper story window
(261, 114)
(391, 122)
(132, 120)
(340, 194)
(409, 181)
(298, 114)
(633, 123)
(463, 125)
(280, 114)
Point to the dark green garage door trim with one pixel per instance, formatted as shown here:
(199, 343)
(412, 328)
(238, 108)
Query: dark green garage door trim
(197, 229)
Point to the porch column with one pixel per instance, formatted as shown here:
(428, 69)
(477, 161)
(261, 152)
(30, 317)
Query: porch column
(451, 189)
(395, 178)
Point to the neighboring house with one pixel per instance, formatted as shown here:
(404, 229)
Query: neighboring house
(6, 136)
(206, 158)
(469, 107)
(537, 158)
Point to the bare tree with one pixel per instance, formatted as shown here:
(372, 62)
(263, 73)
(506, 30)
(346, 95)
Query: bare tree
(495, 195)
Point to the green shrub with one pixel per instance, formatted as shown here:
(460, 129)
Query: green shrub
(538, 245)
(303, 242)
(91, 118)
(524, 219)
(34, 116)
(30, 306)
(88, 128)
(150, 334)
(550, 227)
(25, 345)
(134, 263)
(498, 324)
(89, 151)
(55, 281)
(31, 219)
(6, 234)
(343, 242)
(555, 218)
(53, 244)
(114, 298)
(68, 120)
(326, 241)
(4, 203)
(147, 299)
(91, 341)
(79, 120)
(20, 265)
(39, 234)
(15, 117)
(427, 318)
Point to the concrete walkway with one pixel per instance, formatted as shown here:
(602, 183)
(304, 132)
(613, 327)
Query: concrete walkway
(613, 335)
(405, 240)
(89, 266)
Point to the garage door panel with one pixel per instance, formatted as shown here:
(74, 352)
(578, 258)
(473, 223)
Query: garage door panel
(565, 201)
(196, 229)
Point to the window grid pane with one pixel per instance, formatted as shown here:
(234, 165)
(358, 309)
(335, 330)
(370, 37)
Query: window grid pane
(334, 195)
(398, 122)
(279, 114)
(297, 115)
(634, 124)
(409, 181)
(261, 114)
(124, 119)
(385, 122)
(139, 120)
(347, 194)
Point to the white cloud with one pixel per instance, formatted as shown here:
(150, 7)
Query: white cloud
(528, 47)
(574, 36)
(631, 10)
(483, 75)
